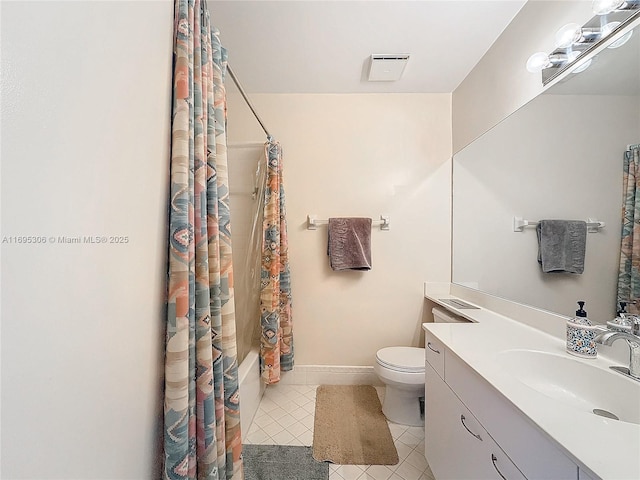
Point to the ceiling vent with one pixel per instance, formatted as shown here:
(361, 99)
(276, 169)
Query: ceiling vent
(387, 68)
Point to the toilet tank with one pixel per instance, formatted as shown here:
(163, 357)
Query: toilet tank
(444, 316)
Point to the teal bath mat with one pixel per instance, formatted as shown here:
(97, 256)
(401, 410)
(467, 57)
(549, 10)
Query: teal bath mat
(282, 462)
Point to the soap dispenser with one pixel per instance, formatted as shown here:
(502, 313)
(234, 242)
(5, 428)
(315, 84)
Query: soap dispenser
(581, 315)
(623, 308)
(581, 334)
(622, 322)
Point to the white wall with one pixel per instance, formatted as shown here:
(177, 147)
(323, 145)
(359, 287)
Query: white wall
(500, 84)
(86, 89)
(519, 169)
(360, 155)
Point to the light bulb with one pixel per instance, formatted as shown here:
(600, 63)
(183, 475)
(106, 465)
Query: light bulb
(609, 28)
(583, 67)
(621, 40)
(604, 7)
(538, 62)
(573, 55)
(568, 35)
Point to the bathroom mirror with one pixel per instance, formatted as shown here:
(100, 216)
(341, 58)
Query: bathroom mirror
(558, 157)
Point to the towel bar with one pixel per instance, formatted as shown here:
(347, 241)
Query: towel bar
(313, 222)
(593, 226)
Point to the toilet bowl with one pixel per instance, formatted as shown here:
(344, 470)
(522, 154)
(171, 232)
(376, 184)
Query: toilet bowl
(401, 369)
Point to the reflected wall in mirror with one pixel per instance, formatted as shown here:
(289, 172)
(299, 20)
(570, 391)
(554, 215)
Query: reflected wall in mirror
(558, 157)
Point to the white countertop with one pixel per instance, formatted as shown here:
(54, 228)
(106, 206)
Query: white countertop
(603, 448)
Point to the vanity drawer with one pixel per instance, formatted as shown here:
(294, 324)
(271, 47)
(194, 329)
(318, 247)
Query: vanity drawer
(435, 353)
(536, 456)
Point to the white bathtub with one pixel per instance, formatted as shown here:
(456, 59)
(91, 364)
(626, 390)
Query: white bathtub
(251, 389)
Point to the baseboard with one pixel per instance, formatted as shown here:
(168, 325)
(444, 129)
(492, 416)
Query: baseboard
(330, 375)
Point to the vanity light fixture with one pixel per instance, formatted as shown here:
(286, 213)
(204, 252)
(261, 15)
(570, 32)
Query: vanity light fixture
(582, 67)
(610, 27)
(605, 7)
(572, 33)
(540, 60)
(573, 42)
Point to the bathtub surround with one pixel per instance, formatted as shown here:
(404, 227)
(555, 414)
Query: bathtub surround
(201, 404)
(276, 322)
(247, 171)
(251, 387)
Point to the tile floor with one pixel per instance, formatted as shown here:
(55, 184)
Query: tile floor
(285, 417)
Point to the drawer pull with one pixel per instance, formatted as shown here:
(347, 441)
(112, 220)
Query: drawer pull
(465, 426)
(493, 460)
(432, 349)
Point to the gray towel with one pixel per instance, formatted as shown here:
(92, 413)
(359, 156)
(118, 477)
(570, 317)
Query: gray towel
(561, 245)
(349, 244)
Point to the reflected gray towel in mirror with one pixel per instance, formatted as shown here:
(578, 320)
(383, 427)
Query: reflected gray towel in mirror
(562, 245)
(349, 243)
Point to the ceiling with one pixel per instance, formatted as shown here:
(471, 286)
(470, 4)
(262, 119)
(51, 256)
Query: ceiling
(324, 46)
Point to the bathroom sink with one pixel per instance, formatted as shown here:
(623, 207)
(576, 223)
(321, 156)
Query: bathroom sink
(575, 383)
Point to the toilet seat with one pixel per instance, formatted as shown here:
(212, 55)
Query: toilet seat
(402, 359)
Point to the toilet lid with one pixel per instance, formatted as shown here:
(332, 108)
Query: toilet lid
(404, 359)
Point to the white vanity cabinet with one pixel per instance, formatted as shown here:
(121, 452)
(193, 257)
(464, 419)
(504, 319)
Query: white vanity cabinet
(514, 450)
(457, 446)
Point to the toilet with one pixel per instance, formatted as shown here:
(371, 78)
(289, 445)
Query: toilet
(401, 369)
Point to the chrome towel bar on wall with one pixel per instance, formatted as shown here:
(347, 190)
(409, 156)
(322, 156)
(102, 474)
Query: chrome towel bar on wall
(593, 226)
(313, 222)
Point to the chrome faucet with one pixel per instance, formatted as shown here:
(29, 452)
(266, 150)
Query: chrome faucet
(633, 339)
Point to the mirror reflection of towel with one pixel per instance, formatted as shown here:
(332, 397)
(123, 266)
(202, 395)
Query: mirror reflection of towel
(349, 243)
(562, 245)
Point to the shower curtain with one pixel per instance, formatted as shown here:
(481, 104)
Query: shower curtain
(276, 340)
(201, 410)
(629, 275)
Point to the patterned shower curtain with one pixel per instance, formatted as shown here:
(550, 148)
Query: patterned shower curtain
(629, 275)
(201, 410)
(276, 340)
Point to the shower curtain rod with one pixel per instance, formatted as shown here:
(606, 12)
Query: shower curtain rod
(246, 99)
